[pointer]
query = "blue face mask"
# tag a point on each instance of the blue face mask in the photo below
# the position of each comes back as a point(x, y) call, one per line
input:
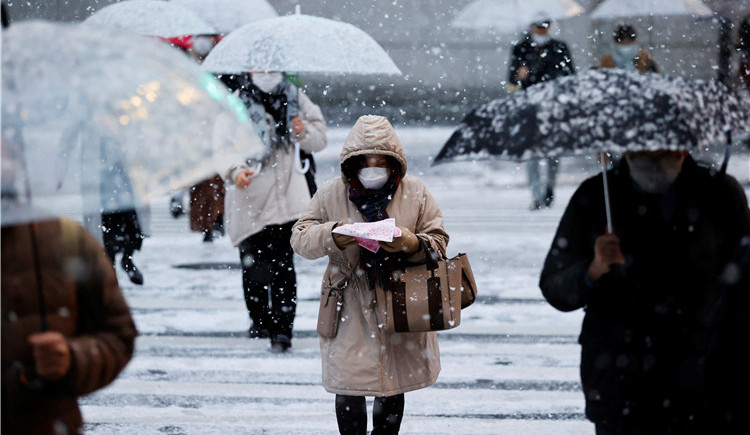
point(624, 54)
point(373, 178)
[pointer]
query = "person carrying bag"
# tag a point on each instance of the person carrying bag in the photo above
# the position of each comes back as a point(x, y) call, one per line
point(359, 357)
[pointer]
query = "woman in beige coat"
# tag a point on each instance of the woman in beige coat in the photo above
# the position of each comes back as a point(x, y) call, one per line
point(363, 360)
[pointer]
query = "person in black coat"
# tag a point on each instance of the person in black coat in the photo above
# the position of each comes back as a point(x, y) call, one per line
point(726, 367)
point(647, 288)
point(539, 58)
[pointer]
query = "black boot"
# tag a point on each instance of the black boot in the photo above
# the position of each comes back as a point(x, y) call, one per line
point(549, 197)
point(135, 275)
point(280, 344)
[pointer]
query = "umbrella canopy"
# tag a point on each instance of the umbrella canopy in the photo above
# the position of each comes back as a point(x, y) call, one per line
point(151, 18)
point(617, 9)
point(79, 102)
point(300, 43)
point(512, 16)
point(227, 15)
point(599, 110)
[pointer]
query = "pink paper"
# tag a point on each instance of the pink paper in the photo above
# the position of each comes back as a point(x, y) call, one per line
point(368, 234)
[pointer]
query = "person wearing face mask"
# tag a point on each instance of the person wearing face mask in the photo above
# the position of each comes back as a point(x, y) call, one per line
point(535, 59)
point(647, 287)
point(363, 360)
point(264, 199)
point(626, 54)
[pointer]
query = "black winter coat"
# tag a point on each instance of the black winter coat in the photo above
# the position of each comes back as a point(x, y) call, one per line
point(644, 334)
point(545, 62)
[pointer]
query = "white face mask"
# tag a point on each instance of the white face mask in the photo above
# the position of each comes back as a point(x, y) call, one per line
point(266, 81)
point(654, 175)
point(625, 53)
point(540, 39)
point(203, 44)
point(373, 178)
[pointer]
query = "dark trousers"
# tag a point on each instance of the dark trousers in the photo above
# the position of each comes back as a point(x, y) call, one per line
point(268, 276)
point(121, 232)
point(387, 413)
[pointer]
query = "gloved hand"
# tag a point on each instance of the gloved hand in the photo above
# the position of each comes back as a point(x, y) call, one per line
point(408, 243)
point(341, 240)
point(51, 354)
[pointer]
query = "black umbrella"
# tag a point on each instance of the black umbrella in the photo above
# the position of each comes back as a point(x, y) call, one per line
point(601, 110)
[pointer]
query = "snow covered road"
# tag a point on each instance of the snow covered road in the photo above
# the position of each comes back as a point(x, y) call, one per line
point(511, 367)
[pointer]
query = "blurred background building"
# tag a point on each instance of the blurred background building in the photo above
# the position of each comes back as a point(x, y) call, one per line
point(447, 70)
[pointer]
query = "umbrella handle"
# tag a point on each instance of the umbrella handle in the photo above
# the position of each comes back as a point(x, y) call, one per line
point(607, 207)
point(298, 166)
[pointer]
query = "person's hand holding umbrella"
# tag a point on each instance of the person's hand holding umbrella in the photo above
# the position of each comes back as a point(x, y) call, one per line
point(51, 354)
point(244, 178)
point(298, 127)
point(606, 253)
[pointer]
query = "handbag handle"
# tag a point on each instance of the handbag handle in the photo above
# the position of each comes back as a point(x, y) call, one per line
point(431, 256)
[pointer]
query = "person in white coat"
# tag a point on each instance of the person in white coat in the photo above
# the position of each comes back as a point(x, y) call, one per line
point(362, 359)
point(261, 205)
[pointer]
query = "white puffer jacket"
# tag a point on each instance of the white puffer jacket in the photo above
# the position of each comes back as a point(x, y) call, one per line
point(279, 193)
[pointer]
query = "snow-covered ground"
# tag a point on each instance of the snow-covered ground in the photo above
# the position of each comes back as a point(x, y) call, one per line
point(511, 367)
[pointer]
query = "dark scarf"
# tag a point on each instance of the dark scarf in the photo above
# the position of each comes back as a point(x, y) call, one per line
point(282, 103)
point(378, 266)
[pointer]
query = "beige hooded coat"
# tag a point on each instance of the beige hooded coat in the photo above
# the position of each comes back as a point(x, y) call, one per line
point(362, 360)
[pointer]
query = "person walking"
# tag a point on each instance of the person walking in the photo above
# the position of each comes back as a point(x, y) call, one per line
point(207, 208)
point(262, 205)
point(646, 288)
point(66, 328)
point(626, 54)
point(121, 224)
point(535, 59)
point(363, 360)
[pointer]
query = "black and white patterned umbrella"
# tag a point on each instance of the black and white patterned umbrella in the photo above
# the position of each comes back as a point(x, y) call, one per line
point(599, 110)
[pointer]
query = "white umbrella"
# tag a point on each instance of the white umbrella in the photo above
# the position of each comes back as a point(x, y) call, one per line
point(614, 9)
point(512, 16)
point(78, 100)
point(227, 15)
point(152, 18)
point(299, 43)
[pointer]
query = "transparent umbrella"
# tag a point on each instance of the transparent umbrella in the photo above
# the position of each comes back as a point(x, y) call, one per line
point(81, 102)
point(299, 43)
point(647, 11)
point(513, 16)
point(152, 18)
point(227, 15)
point(618, 9)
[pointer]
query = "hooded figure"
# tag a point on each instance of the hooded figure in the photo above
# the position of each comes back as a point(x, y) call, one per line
point(362, 359)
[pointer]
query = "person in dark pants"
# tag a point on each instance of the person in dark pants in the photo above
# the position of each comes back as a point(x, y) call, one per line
point(647, 288)
point(264, 199)
point(121, 228)
point(121, 233)
point(539, 58)
point(269, 265)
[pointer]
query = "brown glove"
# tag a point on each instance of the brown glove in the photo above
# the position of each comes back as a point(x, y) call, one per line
point(407, 243)
point(341, 240)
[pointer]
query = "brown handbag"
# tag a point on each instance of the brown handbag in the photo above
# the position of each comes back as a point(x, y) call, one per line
point(329, 312)
point(429, 296)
